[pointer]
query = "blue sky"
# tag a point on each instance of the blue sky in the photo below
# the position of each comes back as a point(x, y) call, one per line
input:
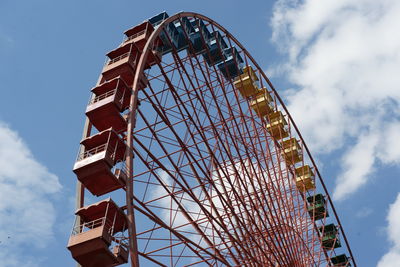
point(336, 65)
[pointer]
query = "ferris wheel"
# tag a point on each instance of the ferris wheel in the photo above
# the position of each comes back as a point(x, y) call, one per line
point(196, 160)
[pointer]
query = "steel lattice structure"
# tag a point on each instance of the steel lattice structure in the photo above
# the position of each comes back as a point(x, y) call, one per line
point(213, 167)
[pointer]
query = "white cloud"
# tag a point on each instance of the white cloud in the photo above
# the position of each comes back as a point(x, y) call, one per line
point(27, 214)
point(358, 169)
point(343, 58)
point(392, 257)
point(390, 147)
point(177, 218)
point(364, 212)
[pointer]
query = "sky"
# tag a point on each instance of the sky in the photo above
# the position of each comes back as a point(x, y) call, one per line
point(336, 63)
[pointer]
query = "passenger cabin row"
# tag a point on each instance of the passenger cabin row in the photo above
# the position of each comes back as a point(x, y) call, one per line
point(261, 102)
point(98, 237)
point(195, 37)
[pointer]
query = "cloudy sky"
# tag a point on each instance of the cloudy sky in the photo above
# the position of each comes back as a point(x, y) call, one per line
point(335, 62)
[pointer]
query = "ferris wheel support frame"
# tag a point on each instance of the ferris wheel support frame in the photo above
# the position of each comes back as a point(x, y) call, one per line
point(138, 77)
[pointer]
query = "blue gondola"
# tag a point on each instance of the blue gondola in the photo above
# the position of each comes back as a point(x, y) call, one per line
point(232, 67)
point(216, 52)
point(200, 37)
point(184, 31)
point(158, 19)
point(169, 29)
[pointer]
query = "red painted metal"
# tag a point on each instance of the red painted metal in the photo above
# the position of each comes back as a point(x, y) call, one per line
point(91, 241)
point(110, 99)
point(94, 167)
point(208, 179)
point(104, 209)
